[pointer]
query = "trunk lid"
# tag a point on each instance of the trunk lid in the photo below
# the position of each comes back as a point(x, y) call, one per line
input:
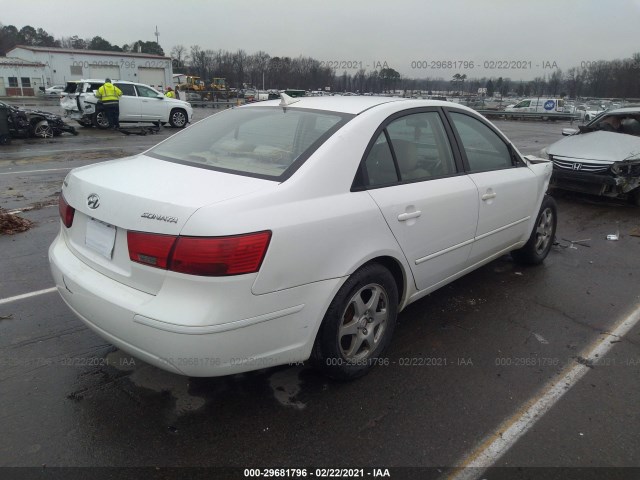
point(140, 194)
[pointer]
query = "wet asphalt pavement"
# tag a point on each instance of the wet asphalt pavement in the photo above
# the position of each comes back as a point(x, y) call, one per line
point(463, 360)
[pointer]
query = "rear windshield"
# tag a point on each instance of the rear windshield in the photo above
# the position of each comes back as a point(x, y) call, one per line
point(264, 142)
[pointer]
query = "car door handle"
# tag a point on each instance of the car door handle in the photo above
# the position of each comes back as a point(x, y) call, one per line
point(488, 196)
point(403, 217)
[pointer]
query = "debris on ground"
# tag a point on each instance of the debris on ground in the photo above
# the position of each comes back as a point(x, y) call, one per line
point(635, 232)
point(573, 243)
point(140, 130)
point(6, 317)
point(12, 224)
point(613, 236)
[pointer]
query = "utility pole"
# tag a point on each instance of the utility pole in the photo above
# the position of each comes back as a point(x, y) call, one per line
point(157, 34)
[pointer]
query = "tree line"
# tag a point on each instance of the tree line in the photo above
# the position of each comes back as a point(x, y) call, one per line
point(262, 70)
point(618, 78)
point(10, 36)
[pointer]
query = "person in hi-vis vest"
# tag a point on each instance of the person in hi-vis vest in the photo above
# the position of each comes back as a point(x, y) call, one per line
point(110, 95)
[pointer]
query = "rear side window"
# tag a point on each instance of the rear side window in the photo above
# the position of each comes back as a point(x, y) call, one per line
point(266, 142)
point(413, 147)
point(379, 165)
point(421, 148)
point(127, 89)
point(71, 87)
point(484, 149)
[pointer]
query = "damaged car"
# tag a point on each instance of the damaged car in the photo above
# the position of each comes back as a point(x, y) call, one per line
point(601, 157)
point(24, 123)
point(138, 103)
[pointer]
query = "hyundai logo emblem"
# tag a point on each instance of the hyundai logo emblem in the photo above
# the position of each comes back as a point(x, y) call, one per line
point(577, 166)
point(93, 201)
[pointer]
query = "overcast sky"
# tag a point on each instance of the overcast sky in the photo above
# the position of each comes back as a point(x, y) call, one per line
point(366, 33)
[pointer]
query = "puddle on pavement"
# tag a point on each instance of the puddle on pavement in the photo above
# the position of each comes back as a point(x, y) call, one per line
point(151, 378)
point(285, 384)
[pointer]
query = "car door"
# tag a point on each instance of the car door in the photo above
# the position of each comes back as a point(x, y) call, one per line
point(506, 186)
point(129, 103)
point(430, 205)
point(152, 104)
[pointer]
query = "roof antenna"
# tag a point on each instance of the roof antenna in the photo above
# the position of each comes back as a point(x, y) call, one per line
point(287, 100)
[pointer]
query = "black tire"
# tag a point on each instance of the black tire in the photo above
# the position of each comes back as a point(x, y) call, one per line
point(178, 118)
point(5, 139)
point(346, 347)
point(634, 197)
point(100, 120)
point(542, 237)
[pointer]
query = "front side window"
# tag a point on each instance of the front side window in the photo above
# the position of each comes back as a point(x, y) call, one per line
point(146, 92)
point(484, 149)
point(524, 103)
point(266, 142)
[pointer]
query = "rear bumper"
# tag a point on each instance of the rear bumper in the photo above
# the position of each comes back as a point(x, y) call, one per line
point(211, 328)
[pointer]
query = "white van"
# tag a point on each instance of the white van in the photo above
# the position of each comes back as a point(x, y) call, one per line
point(538, 105)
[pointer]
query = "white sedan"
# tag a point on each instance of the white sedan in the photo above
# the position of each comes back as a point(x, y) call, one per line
point(56, 90)
point(278, 232)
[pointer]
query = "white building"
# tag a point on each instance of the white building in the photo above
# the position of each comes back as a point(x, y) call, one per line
point(20, 77)
point(63, 64)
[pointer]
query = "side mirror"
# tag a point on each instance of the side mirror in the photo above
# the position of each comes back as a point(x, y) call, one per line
point(160, 97)
point(569, 131)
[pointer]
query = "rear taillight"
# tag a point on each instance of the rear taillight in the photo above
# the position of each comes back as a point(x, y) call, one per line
point(66, 211)
point(205, 256)
point(150, 248)
point(217, 256)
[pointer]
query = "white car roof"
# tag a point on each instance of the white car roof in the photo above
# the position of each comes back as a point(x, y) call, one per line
point(101, 80)
point(352, 104)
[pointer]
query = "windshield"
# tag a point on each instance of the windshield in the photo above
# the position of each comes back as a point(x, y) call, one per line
point(265, 142)
point(627, 123)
